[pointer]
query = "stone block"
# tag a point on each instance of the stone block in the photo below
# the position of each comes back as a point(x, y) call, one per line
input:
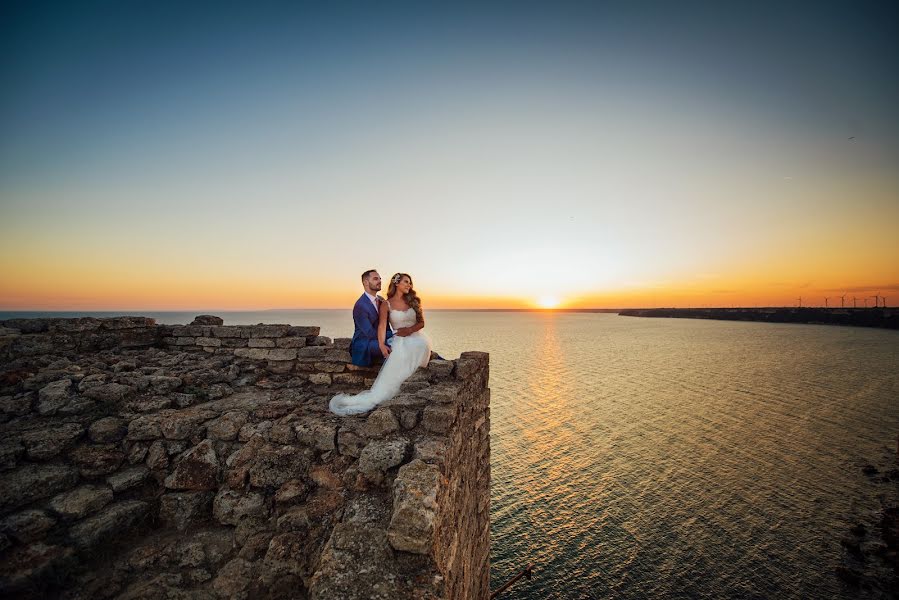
point(316, 434)
point(381, 455)
point(227, 426)
point(291, 342)
point(438, 418)
point(440, 369)
point(97, 460)
point(263, 343)
point(53, 396)
point(196, 470)
point(230, 507)
point(323, 354)
point(411, 526)
point(208, 342)
point(107, 429)
point(127, 478)
point(27, 566)
point(113, 521)
point(431, 450)
point(350, 443)
point(380, 422)
point(320, 378)
point(144, 428)
point(275, 465)
point(329, 367)
point(109, 392)
point(183, 424)
point(303, 331)
point(183, 509)
point(81, 501)
point(47, 442)
point(348, 379)
point(266, 353)
point(28, 526)
point(280, 366)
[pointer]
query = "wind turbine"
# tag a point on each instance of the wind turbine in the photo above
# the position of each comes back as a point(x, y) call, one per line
point(825, 302)
point(876, 297)
point(800, 301)
point(854, 302)
point(866, 302)
point(843, 301)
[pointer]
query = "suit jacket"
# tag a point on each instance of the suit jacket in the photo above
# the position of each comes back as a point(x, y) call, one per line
point(365, 319)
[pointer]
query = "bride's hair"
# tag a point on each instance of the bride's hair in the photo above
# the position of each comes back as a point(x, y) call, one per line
point(411, 298)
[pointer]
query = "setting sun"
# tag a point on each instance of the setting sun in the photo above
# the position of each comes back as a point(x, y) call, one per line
point(548, 302)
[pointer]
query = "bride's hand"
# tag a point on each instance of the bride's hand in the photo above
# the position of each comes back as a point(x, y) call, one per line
point(402, 332)
point(385, 350)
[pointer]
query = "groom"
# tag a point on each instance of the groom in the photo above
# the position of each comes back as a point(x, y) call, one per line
point(364, 348)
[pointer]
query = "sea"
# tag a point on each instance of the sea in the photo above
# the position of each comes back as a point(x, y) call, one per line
point(672, 458)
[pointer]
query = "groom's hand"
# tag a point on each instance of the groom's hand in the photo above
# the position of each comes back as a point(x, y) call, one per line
point(402, 332)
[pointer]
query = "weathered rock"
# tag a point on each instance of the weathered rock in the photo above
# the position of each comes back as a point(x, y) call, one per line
point(218, 390)
point(196, 470)
point(183, 424)
point(19, 404)
point(227, 426)
point(323, 477)
point(81, 501)
point(148, 403)
point(184, 509)
point(207, 320)
point(381, 422)
point(355, 548)
point(266, 353)
point(109, 392)
point(127, 478)
point(274, 466)
point(33, 482)
point(53, 396)
point(158, 456)
point(350, 443)
point(28, 526)
point(107, 429)
point(414, 508)
point(94, 461)
point(144, 428)
point(317, 434)
point(114, 520)
point(45, 443)
point(30, 564)
point(379, 456)
point(438, 418)
point(229, 507)
point(431, 450)
point(234, 579)
point(292, 491)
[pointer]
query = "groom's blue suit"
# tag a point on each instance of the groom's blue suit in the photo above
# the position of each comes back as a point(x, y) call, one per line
point(364, 348)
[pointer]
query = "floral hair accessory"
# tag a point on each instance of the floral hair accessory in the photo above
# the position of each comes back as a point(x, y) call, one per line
point(397, 279)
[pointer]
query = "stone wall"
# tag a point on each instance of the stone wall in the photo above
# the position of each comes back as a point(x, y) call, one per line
point(144, 461)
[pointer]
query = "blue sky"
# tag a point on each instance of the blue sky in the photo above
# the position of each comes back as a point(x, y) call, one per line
point(638, 145)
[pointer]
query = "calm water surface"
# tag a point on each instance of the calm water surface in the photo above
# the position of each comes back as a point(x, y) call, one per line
point(644, 458)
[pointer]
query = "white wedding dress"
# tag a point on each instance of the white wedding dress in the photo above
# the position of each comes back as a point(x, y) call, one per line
point(407, 353)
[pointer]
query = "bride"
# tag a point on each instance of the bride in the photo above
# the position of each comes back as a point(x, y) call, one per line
point(410, 348)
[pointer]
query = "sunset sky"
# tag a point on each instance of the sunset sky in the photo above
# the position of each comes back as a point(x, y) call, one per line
point(154, 156)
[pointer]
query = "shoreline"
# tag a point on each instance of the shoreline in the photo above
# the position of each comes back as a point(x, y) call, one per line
point(882, 318)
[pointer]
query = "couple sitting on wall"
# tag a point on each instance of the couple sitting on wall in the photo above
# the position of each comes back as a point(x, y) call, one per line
point(385, 329)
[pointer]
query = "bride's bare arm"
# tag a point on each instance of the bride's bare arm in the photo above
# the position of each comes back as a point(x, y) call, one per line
point(382, 329)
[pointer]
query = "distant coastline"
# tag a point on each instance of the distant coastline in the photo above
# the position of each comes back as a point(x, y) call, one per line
point(887, 318)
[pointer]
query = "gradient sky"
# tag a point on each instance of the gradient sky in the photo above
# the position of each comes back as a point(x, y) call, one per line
point(161, 156)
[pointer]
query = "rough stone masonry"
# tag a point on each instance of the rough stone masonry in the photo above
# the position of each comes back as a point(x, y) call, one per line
point(200, 461)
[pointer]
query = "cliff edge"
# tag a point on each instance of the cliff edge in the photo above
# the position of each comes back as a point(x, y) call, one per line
point(200, 461)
